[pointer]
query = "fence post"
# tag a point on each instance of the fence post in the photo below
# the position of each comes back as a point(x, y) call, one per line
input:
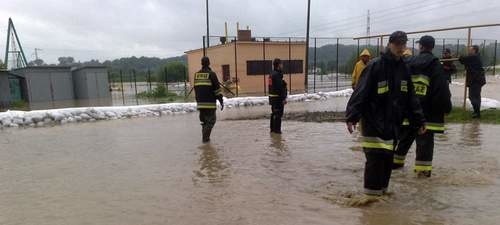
point(264, 63)
point(135, 85)
point(130, 79)
point(358, 48)
point(121, 81)
point(444, 47)
point(484, 47)
point(289, 64)
point(413, 46)
point(337, 66)
point(204, 47)
point(166, 78)
point(236, 65)
point(458, 47)
point(378, 46)
point(149, 79)
point(495, 57)
point(185, 81)
point(314, 67)
point(110, 82)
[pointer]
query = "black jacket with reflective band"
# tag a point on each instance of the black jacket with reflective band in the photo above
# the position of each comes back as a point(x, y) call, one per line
point(474, 69)
point(207, 89)
point(385, 94)
point(277, 87)
point(432, 88)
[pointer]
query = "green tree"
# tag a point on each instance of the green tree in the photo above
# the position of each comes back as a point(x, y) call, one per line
point(66, 61)
point(176, 71)
point(37, 62)
point(2, 66)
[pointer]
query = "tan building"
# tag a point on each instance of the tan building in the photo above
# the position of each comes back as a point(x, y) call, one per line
point(252, 69)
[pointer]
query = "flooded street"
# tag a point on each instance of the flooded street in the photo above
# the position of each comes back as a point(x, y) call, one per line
point(156, 171)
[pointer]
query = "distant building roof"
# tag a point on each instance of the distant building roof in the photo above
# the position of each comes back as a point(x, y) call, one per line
point(90, 67)
point(250, 43)
point(43, 67)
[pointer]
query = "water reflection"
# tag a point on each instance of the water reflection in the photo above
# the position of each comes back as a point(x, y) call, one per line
point(278, 144)
point(471, 134)
point(211, 166)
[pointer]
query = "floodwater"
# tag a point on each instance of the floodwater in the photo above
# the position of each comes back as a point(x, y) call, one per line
point(157, 171)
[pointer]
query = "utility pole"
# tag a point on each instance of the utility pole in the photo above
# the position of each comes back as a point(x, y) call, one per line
point(36, 53)
point(307, 46)
point(368, 28)
point(208, 26)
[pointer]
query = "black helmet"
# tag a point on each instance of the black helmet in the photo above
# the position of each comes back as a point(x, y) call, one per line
point(398, 37)
point(276, 62)
point(427, 41)
point(205, 61)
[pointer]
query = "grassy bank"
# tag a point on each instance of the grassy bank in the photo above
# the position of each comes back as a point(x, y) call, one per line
point(458, 115)
point(160, 95)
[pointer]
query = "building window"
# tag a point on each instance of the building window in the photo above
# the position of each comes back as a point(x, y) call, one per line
point(295, 66)
point(261, 67)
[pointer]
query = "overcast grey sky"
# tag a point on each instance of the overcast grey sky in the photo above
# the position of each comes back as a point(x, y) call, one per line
point(105, 29)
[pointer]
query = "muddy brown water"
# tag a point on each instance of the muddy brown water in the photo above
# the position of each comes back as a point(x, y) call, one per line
point(156, 171)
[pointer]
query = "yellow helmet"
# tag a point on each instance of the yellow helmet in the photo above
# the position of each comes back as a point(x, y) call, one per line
point(365, 52)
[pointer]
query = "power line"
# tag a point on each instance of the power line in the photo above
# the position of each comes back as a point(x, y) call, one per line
point(394, 16)
point(356, 18)
point(397, 15)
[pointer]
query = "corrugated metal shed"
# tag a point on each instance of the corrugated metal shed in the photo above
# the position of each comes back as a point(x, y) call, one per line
point(4, 89)
point(91, 82)
point(47, 84)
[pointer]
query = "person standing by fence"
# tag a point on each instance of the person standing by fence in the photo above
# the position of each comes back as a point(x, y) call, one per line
point(207, 90)
point(448, 66)
point(474, 78)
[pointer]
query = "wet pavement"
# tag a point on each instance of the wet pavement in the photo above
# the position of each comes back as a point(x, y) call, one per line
point(156, 171)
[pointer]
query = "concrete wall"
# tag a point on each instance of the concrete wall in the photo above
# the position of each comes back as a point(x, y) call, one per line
point(91, 83)
point(224, 55)
point(4, 89)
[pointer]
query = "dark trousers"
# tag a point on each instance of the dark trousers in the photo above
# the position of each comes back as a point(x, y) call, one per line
point(424, 151)
point(207, 118)
point(378, 169)
point(475, 97)
point(277, 110)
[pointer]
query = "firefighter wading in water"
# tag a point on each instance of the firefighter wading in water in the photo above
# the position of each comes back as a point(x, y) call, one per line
point(431, 87)
point(207, 90)
point(384, 95)
point(277, 95)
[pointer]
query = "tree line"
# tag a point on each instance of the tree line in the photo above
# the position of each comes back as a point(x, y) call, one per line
point(326, 55)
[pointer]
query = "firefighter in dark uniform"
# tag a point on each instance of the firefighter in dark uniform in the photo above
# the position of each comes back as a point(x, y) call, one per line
point(432, 89)
point(448, 66)
point(207, 90)
point(277, 95)
point(384, 95)
point(475, 79)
